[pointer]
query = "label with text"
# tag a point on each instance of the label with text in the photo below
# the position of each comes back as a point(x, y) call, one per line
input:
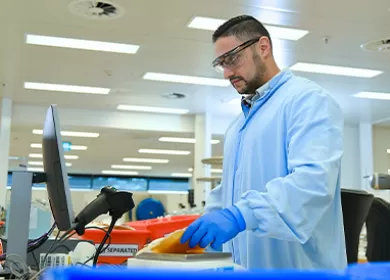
point(119, 250)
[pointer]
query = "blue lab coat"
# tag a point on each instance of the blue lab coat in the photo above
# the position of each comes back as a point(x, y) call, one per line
point(281, 168)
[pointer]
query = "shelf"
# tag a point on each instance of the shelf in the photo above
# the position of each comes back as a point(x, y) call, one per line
point(213, 161)
point(209, 179)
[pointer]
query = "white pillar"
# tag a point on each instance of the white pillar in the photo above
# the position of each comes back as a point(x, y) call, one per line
point(5, 134)
point(366, 153)
point(202, 150)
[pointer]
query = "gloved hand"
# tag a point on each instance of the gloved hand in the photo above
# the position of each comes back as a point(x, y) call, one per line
point(216, 228)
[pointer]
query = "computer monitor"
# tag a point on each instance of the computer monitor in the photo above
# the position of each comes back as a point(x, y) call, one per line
point(56, 179)
point(57, 183)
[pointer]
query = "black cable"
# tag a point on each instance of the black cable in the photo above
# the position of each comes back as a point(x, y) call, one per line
point(67, 235)
point(51, 247)
point(61, 246)
point(36, 260)
point(99, 249)
point(63, 239)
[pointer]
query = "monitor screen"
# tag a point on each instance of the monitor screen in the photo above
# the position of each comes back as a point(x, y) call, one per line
point(57, 183)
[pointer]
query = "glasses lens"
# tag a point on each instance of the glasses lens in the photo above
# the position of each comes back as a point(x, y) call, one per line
point(218, 68)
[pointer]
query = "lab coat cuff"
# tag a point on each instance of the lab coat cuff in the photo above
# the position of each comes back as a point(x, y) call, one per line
point(238, 216)
point(249, 217)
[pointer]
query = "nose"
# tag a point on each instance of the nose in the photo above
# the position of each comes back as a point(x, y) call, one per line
point(227, 73)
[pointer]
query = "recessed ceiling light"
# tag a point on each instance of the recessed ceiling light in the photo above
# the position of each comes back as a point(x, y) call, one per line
point(70, 157)
point(37, 163)
point(146, 160)
point(35, 155)
point(72, 133)
point(81, 44)
point(173, 78)
point(277, 32)
point(35, 169)
point(134, 167)
point(66, 88)
point(216, 170)
point(335, 70)
point(150, 109)
point(183, 140)
point(72, 147)
point(190, 169)
point(181, 175)
point(163, 152)
point(14, 158)
point(40, 163)
point(388, 151)
point(119, 172)
point(373, 95)
point(167, 192)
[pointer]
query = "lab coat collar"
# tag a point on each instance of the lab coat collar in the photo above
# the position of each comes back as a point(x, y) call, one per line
point(265, 91)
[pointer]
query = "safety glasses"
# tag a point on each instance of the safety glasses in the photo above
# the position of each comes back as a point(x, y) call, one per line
point(233, 58)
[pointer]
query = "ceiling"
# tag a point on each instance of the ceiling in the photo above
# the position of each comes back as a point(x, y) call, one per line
point(167, 45)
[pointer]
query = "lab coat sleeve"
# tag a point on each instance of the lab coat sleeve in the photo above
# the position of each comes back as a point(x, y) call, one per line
point(292, 206)
point(214, 200)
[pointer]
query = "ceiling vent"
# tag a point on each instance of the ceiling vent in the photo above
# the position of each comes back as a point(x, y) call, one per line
point(174, 95)
point(96, 10)
point(382, 45)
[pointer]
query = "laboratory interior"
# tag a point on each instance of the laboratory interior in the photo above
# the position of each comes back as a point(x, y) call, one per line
point(124, 154)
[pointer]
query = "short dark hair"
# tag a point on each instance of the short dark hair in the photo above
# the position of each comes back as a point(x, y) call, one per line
point(244, 27)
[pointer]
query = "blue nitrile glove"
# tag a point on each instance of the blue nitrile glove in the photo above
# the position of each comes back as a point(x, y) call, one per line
point(216, 227)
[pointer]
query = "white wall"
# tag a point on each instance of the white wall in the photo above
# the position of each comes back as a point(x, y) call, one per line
point(81, 198)
point(381, 142)
point(350, 163)
point(350, 175)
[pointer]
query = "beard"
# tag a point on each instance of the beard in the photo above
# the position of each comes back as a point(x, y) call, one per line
point(251, 85)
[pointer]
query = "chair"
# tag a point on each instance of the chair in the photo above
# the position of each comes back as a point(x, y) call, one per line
point(378, 231)
point(356, 205)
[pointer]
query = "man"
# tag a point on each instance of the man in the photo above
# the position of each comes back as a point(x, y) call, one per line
point(279, 204)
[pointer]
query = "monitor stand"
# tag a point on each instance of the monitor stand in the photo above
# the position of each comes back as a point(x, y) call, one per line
point(19, 218)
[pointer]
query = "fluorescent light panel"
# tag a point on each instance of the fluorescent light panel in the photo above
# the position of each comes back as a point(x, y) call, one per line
point(211, 170)
point(173, 78)
point(388, 151)
point(81, 44)
point(181, 175)
point(119, 172)
point(70, 157)
point(35, 169)
point(163, 152)
point(134, 167)
point(150, 109)
point(373, 95)
point(72, 133)
point(14, 158)
point(335, 70)
point(167, 192)
point(66, 88)
point(216, 170)
point(146, 160)
point(40, 163)
point(72, 147)
point(277, 32)
point(183, 140)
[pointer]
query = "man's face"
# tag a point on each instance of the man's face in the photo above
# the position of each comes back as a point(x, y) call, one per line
point(244, 66)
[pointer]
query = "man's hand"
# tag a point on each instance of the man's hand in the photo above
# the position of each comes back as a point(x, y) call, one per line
point(214, 228)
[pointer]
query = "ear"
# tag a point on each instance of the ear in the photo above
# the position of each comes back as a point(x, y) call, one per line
point(265, 46)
